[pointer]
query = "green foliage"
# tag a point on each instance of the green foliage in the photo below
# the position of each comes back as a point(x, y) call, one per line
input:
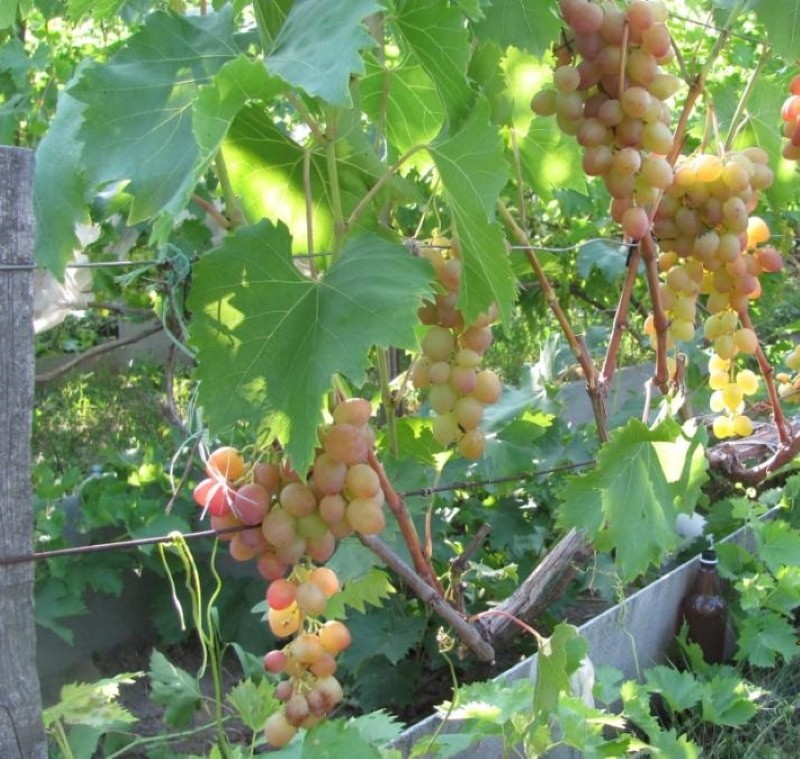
point(327, 326)
point(643, 479)
point(175, 689)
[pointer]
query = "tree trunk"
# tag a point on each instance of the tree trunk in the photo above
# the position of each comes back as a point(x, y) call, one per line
point(21, 731)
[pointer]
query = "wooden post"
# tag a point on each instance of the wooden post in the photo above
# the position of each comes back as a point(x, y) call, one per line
point(21, 730)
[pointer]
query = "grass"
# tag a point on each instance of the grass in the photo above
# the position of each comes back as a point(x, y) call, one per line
point(772, 733)
point(88, 417)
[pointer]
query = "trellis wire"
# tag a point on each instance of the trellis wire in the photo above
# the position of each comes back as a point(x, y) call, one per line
point(138, 542)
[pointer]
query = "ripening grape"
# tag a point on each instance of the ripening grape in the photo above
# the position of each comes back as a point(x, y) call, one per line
point(225, 462)
point(284, 622)
point(251, 503)
point(334, 636)
point(281, 594)
point(345, 443)
point(366, 516)
point(311, 600)
point(326, 579)
point(278, 730)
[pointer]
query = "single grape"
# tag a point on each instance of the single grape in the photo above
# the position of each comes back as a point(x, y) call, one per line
point(225, 462)
point(328, 474)
point(251, 503)
point(471, 445)
point(278, 730)
point(281, 594)
point(366, 516)
point(275, 662)
point(311, 599)
point(362, 481)
point(345, 443)
point(284, 622)
point(326, 579)
point(334, 636)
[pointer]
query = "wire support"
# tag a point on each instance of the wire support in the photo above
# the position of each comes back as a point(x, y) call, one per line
point(121, 545)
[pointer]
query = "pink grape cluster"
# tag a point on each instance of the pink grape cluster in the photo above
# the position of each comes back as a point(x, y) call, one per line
point(311, 689)
point(449, 368)
point(296, 524)
point(609, 92)
point(790, 114)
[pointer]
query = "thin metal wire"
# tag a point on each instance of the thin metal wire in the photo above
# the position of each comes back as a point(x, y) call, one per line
point(138, 542)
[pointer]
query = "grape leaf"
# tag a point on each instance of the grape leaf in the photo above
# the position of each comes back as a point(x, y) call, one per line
point(762, 636)
point(218, 103)
point(413, 111)
point(334, 738)
point(436, 34)
point(729, 700)
point(8, 13)
point(782, 22)
point(607, 258)
point(138, 120)
point(778, 544)
point(680, 690)
point(549, 161)
point(473, 172)
point(92, 704)
point(269, 339)
point(253, 701)
point(631, 500)
point(377, 727)
point(559, 656)
point(371, 589)
point(173, 688)
point(266, 167)
point(390, 632)
point(528, 25)
point(317, 48)
point(59, 187)
point(271, 16)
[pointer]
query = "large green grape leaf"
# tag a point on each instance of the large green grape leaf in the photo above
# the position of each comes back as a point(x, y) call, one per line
point(317, 49)
point(643, 479)
point(406, 99)
point(271, 16)
point(266, 168)
point(138, 120)
point(218, 102)
point(549, 160)
point(436, 34)
point(782, 22)
point(527, 24)
point(269, 339)
point(59, 187)
point(473, 172)
point(559, 657)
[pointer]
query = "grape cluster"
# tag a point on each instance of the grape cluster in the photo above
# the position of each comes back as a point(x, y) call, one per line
point(609, 91)
point(710, 245)
point(449, 368)
point(789, 384)
point(309, 659)
point(790, 113)
point(296, 522)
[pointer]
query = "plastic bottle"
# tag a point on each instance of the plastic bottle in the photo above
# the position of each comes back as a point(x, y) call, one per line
point(705, 610)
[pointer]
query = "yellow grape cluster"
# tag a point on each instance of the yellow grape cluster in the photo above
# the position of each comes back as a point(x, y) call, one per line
point(710, 245)
point(449, 368)
point(609, 91)
point(311, 689)
point(296, 522)
point(789, 384)
point(728, 399)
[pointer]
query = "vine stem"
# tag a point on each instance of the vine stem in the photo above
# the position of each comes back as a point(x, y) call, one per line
point(467, 632)
point(378, 186)
point(386, 399)
point(783, 427)
point(576, 345)
point(309, 211)
point(409, 532)
point(733, 130)
point(212, 211)
point(333, 180)
point(620, 322)
point(232, 206)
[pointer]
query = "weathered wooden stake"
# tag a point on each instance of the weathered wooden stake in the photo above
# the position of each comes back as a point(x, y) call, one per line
point(21, 730)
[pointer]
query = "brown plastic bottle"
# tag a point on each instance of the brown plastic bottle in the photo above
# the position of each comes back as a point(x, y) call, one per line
point(705, 611)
